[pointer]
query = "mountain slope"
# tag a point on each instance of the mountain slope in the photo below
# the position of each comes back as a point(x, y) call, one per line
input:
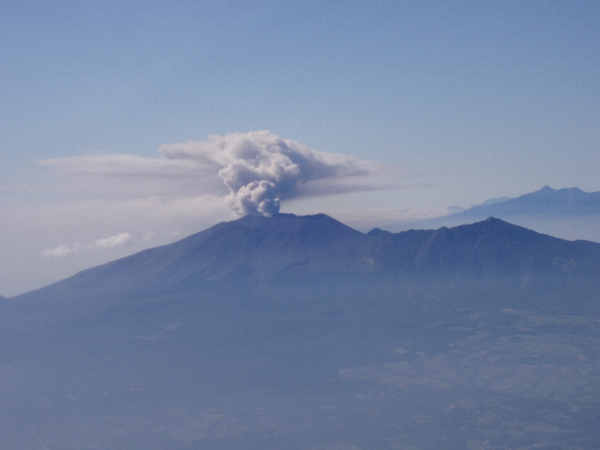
point(253, 245)
point(253, 249)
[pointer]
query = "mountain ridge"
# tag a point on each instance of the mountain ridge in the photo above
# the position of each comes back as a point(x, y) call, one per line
point(546, 200)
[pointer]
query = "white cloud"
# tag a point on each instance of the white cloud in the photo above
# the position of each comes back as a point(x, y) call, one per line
point(60, 251)
point(112, 241)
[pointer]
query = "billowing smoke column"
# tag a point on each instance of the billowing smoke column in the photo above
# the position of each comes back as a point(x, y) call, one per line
point(261, 169)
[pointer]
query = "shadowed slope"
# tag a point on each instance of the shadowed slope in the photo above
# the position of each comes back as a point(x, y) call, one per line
point(489, 248)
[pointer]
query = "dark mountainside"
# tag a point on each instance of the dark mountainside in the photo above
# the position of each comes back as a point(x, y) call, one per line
point(568, 212)
point(302, 333)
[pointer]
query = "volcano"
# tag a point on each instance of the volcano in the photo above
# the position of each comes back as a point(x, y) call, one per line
point(299, 332)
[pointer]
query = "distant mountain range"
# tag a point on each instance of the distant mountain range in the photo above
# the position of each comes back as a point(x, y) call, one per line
point(302, 333)
point(569, 213)
point(566, 202)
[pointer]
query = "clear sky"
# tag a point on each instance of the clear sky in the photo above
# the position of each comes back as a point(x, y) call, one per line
point(433, 104)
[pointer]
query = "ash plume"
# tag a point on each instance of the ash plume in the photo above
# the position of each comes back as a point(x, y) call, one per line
point(261, 169)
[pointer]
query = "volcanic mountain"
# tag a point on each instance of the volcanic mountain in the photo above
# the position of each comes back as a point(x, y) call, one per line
point(257, 251)
point(302, 333)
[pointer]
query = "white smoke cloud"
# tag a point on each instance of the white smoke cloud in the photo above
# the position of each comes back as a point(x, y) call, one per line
point(261, 169)
point(247, 172)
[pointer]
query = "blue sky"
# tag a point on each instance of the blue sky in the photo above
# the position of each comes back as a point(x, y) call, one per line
point(460, 101)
